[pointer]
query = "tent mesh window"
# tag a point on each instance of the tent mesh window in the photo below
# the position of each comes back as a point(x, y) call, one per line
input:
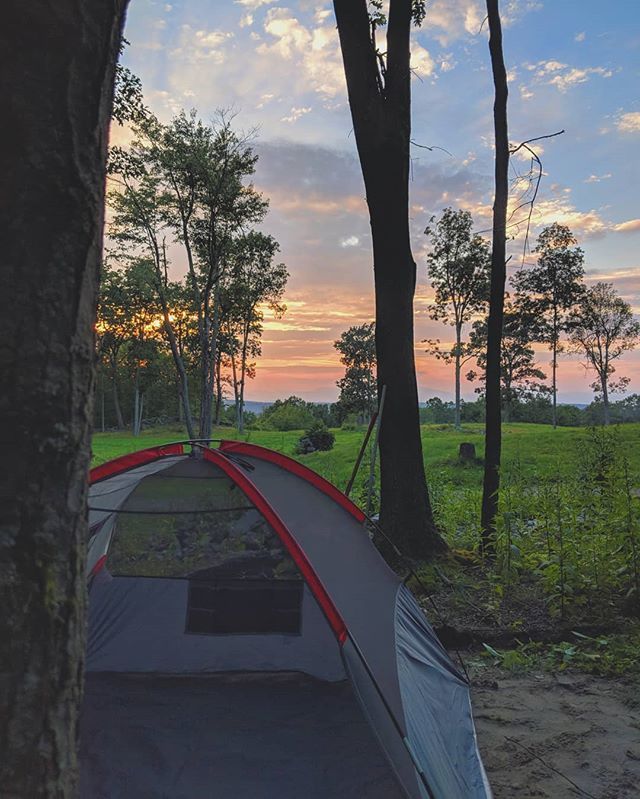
point(192, 522)
point(244, 606)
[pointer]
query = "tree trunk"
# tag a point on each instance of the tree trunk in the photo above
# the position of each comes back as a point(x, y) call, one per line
point(116, 399)
point(57, 63)
point(218, 392)
point(102, 403)
point(136, 407)
point(554, 368)
point(605, 401)
point(493, 432)
point(208, 365)
point(180, 368)
point(236, 390)
point(457, 367)
point(381, 122)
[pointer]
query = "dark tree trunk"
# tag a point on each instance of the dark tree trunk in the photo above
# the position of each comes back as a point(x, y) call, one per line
point(116, 399)
point(554, 369)
point(493, 436)
point(456, 422)
point(57, 64)
point(605, 401)
point(381, 121)
point(218, 409)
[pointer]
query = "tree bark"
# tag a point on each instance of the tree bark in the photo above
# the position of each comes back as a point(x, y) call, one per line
point(218, 408)
point(456, 422)
point(493, 431)
point(554, 367)
point(605, 401)
point(116, 404)
point(57, 63)
point(381, 121)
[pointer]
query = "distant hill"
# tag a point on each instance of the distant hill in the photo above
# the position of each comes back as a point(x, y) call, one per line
point(250, 405)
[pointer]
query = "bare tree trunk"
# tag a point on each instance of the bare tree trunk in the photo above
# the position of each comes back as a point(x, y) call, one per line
point(236, 390)
point(381, 122)
point(208, 364)
point(116, 398)
point(218, 392)
point(457, 367)
point(57, 63)
point(554, 389)
point(493, 431)
point(136, 407)
point(180, 368)
point(605, 401)
point(102, 408)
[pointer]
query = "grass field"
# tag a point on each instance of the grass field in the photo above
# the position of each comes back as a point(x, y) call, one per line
point(536, 449)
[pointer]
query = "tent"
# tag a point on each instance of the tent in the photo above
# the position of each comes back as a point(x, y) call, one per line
point(246, 639)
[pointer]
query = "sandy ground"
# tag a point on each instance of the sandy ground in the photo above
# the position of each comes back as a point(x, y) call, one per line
point(586, 727)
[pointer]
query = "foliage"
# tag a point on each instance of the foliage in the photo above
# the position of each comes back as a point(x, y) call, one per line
point(519, 374)
point(318, 438)
point(608, 655)
point(292, 413)
point(358, 390)
point(602, 328)
point(459, 269)
point(552, 287)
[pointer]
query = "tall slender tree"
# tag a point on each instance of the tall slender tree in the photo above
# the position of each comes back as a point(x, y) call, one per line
point(379, 89)
point(254, 281)
point(357, 348)
point(520, 377)
point(551, 288)
point(459, 270)
point(493, 424)
point(602, 328)
point(57, 65)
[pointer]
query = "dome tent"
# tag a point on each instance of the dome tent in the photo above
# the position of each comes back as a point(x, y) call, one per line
point(246, 639)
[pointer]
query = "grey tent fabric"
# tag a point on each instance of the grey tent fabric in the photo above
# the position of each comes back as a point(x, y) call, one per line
point(227, 737)
point(228, 526)
point(436, 705)
point(137, 624)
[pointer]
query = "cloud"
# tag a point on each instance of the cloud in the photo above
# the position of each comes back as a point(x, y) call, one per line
point(254, 4)
point(202, 45)
point(563, 76)
point(630, 226)
point(580, 37)
point(629, 122)
point(314, 53)
point(352, 241)
point(295, 114)
point(597, 178)
point(448, 20)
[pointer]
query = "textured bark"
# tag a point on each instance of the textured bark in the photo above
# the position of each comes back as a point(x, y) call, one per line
point(57, 64)
point(116, 402)
point(493, 427)
point(381, 121)
point(458, 367)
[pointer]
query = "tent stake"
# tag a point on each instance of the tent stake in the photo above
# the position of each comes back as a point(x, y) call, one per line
point(374, 451)
point(354, 473)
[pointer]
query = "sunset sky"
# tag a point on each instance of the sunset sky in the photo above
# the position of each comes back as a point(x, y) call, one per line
point(572, 66)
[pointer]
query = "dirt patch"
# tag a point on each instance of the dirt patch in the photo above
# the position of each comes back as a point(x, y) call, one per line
point(586, 727)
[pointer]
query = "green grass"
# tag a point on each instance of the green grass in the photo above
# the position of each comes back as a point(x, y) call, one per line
point(536, 449)
point(568, 526)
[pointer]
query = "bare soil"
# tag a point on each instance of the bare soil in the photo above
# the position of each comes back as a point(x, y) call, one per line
point(586, 727)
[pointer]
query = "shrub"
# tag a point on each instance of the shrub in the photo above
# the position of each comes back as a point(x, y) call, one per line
point(317, 437)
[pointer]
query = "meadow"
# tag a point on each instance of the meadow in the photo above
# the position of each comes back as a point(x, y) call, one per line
point(569, 524)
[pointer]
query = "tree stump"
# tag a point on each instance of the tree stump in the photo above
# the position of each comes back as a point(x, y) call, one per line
point(467, 453)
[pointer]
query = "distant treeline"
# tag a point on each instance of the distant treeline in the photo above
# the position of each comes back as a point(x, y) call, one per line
point(294, 413)
point(535, 410)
